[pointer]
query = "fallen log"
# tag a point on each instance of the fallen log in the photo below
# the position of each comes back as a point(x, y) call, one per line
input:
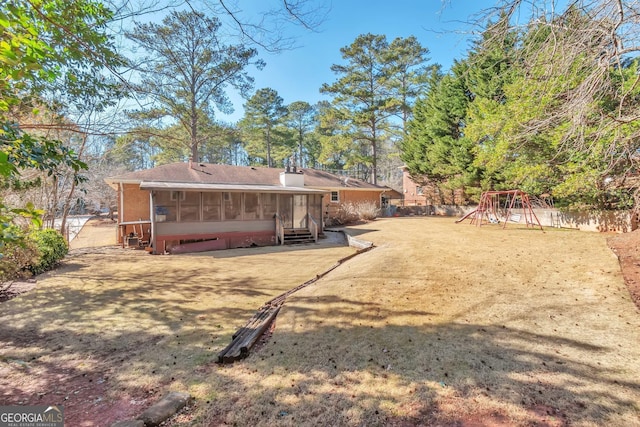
point(256, 319)
point(247, 336)
point(279, 300)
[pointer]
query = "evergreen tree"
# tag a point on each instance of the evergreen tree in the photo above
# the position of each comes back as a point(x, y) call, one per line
point(436, 148)
point(301, 119)
point(554, 120)
point(223, 145)
point(491, 65)
point(338, 150)
point(379, 81)
point(264, 113)
point(362, 92)
point(408, 74)
point(189, 70)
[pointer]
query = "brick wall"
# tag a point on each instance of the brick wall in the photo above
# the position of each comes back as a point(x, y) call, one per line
point(349, 196)
point(425, 194)
point(411, 192)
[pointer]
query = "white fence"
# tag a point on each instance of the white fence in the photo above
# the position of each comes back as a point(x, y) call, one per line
point(602, 221)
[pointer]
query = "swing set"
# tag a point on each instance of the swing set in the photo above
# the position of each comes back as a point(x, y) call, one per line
point(500, 207)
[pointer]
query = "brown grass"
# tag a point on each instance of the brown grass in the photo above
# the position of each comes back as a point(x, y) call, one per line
point(445, 324)
point(137, 325)
point(441, 324)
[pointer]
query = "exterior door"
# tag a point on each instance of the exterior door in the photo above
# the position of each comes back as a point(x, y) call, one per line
point(300, 211)
point(293, 210)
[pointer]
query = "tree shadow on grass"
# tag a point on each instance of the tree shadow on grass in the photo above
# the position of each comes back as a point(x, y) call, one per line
point(248, 252)
point(96, 339)
point(136, 332)
point(98, 349)
point(435, 374)
point(382, 375)
point(357, 232)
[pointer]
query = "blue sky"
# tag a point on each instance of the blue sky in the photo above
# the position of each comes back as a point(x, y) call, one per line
point(443, 27)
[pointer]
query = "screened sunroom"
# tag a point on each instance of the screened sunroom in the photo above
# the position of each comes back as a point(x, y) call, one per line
point(229, 216)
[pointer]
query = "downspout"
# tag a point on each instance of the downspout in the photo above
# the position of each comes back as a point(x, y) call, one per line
point(121, 214)
point(121, 207)
point(321, 196)
point(152, 216)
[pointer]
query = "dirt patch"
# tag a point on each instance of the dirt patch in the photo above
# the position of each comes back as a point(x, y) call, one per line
point(16, 288)
point(627, 247)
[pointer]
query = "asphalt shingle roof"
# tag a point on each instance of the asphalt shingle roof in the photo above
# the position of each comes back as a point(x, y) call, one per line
point(207, 173)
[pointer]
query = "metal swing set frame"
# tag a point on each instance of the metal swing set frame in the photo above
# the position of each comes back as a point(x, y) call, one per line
point(497, 207)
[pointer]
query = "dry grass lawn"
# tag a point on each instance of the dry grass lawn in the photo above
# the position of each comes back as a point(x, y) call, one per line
point(440, 324)
point(112, 329)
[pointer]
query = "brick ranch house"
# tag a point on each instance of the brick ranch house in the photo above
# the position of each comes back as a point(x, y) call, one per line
point(201, 206)
point(427, 194)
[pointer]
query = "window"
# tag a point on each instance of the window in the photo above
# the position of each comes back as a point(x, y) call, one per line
point(190, 206)
point(177, 195)
point(335, 196)
point(166, 209)
point(232, 206)
point(211, 206)
point(419, 191)
point(251, 206)
point(269, 205)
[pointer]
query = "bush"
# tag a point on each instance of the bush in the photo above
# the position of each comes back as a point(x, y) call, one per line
point(344, 215)
point(367, 211)
point(51, 249)
point(349, 213)
point(17, 255)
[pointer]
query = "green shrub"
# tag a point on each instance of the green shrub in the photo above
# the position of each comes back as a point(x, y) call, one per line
point(16, 256)
point(51, 248)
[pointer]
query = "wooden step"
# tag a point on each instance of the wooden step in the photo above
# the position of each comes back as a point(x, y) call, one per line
point(295, 236)
point(296, 231)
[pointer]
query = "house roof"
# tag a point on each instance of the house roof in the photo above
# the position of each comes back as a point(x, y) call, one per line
point(178, 186)
point(228, 175)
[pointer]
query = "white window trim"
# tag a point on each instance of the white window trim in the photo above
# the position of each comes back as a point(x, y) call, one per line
point(175, 195)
